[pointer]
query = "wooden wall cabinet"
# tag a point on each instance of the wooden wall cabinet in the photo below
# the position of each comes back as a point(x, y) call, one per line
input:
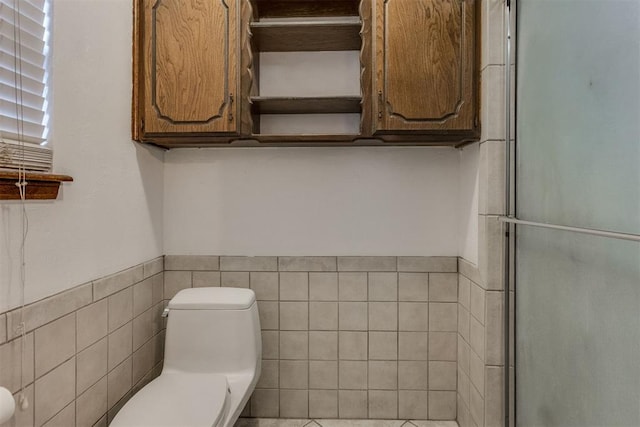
point(196, 67)
point(425, 63)
point(186, 76)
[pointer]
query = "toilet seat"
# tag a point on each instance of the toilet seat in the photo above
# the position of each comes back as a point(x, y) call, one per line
point(177, 399)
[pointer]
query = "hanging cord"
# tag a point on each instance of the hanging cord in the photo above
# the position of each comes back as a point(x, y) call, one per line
point(22, 188)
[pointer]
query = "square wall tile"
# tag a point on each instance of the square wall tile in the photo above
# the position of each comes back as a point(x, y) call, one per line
point(412, 375)
point(383, 286)
point(464, 291)
point(142, 296)
point(323, 345)
point(119, 382)
point(3, 328)
point(477, 302)
point(265, 285)
point(412, 404)
point(269, 375)
point(54, 391)
point(234, 279)
point(175, 281)
point(294, 316)
point(206, 279)
point(92, 364)
point(442, 375)
point(383, 345)
point(145, 326)
point(92, 404)
point(442, 405)
point(323, 287)
point(269, 313)
point(294, 286)
point(383, 316)
point(294, 345)
point(352, 286)
point(323, 316)
point(443, 287)
point(352, 375)
point(443, 346)
point(323, 403)
point(352, 345)
point(352, 404)
point(120, 345)
point(323, 374)
point(294, 403)
point(383, 375)
point(66, 417)
point(294, 374)
point(55, 343)
point(120, 309)
point(443, 317)
point(476, 372)
point(463, 322)
point(265, 403)
point(383, 404)
point(270, 344)
point(413, 345)
point(413, 287)
point(413, 316)
point(11, 362)
point(352, 316)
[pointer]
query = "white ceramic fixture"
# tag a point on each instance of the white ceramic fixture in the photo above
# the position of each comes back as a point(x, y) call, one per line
point(213, 350)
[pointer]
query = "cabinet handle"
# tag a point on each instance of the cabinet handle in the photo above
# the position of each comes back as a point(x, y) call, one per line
point(379, 105)
point(230, 107)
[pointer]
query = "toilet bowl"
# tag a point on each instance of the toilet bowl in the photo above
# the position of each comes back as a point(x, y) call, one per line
point(213, 350)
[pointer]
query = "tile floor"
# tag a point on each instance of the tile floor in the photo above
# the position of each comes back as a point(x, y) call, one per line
point(282, 422)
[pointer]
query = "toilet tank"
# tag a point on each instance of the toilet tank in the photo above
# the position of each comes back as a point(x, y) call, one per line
point(213, 330)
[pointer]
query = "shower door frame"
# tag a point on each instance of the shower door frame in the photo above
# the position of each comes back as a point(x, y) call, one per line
point(511, 221)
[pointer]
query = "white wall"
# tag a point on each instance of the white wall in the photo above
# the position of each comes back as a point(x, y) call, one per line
point(110, 218)
point(312, 201)
point(468, 203)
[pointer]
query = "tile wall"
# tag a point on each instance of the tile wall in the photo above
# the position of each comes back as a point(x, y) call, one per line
point(481, 286)
point(87, 350)
point(345, 337)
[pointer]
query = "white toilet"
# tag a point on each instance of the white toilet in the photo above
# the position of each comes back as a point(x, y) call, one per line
point(213, 349)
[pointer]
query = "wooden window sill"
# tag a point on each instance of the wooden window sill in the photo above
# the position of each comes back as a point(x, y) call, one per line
point(40, 186)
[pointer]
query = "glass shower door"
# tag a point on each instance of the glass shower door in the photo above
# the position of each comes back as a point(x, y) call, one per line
point(577, 298)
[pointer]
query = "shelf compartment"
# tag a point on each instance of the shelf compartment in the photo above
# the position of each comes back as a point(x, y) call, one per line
point(311, 36)
point(304, 8)
point(305, 105)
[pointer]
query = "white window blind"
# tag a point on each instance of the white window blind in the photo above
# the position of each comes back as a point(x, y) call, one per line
point(24, 49)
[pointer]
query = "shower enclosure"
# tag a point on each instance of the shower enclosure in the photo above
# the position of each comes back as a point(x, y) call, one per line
point(575, 164)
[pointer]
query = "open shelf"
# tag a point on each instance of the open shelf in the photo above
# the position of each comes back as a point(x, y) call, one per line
point(299, 36)
point(304, 8)
point(305, 105)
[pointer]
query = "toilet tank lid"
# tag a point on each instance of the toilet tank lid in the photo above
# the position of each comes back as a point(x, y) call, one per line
point(213, 299)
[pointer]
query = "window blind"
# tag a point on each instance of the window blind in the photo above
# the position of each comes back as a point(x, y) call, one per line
point(24, 52)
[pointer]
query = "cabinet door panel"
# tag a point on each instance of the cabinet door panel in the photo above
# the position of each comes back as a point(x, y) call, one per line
point(190, 71)
point(425, 54)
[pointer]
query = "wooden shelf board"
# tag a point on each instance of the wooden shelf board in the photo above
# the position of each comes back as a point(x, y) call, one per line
point(305, 105)
point(304, 8)
point(40, 186)
point(306, 36)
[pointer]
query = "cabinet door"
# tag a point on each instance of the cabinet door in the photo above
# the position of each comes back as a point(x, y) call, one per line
point(190, 63)
point(425, 65)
